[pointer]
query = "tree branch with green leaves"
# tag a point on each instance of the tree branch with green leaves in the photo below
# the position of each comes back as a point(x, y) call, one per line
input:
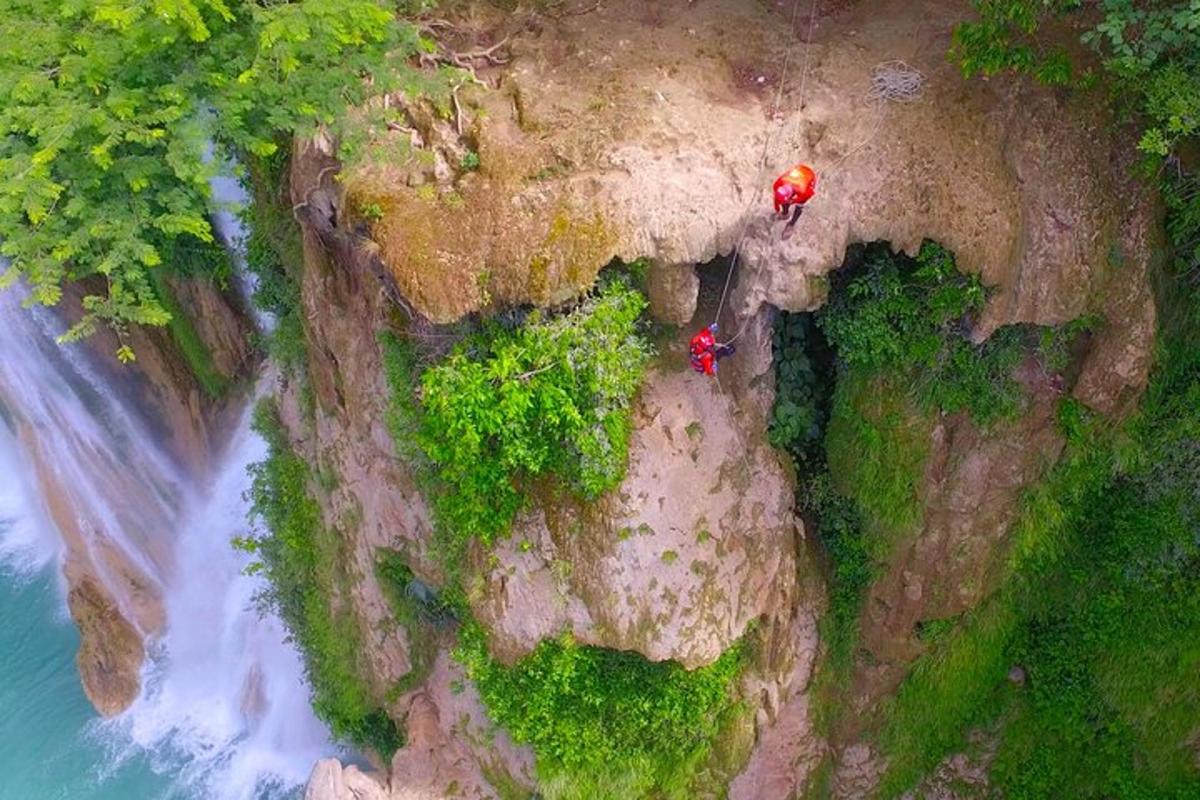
point(117, 113)
point(1150, 53)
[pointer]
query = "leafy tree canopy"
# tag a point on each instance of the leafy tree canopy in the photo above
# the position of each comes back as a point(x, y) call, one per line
point(115, 114)
point(1151, 51)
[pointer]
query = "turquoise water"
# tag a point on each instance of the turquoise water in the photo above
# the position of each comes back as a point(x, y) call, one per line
point(188, 736)
point(52, 744)
point(224, 712)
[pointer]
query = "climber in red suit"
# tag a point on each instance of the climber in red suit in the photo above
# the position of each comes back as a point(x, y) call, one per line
point(706, 351)
point(794, 188)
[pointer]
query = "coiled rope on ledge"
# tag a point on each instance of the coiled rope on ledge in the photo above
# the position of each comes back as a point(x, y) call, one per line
point(895, 81)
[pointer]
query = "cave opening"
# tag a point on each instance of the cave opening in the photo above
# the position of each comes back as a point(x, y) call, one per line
point(713, 277)
point(806, 373)
point(861, 385)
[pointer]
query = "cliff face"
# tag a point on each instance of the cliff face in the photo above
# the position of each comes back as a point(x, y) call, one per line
point(698, 541)
point(630, 132)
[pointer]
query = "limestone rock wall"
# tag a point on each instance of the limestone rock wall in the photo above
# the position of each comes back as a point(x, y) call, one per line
point(634, 131)
point(652, 126)
point(697, 542)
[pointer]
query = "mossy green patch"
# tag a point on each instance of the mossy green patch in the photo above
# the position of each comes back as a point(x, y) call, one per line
point(877, 444)
point(1100, 608)
point(195, 352)
point(861, 384)
point(302, 560)
point(418, 609)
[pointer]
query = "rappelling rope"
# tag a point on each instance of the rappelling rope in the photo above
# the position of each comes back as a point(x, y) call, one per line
point(891, 81)
point(762, 162)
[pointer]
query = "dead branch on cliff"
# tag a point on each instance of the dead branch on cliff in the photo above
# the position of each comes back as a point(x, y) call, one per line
point(469, 60)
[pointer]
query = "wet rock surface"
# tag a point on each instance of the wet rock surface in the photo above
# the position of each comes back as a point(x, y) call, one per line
point(110, 649)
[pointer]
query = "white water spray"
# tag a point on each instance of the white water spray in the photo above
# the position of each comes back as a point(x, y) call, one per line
point(224, 708)
point(226, 700)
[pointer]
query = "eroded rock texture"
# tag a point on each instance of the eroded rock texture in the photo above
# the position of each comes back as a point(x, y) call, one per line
point(638, 130)
point(698, 540)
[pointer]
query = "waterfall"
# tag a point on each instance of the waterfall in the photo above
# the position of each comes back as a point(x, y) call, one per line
point(226, 698)
point(223, 712)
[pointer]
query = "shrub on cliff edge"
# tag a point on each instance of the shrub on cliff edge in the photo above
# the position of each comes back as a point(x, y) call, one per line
point(549, 398)
point(605, 723)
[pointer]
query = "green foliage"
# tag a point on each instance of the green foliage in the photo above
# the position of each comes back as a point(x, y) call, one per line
point(109, 109)
point(947, 691)
point(1150, 52)
point(605, 723)
point(551, 397)
point(300, 558)
point(839, 528)
point(911, 317)
point(420, 611)
point(275, 256)
point(1005, 38)
point(372, 211)
point(802, 386)
point(959, 683)
point(1112, 649)
point(1182, 196)
point(637, 272)
point(862, 503)
point(1153, 52)
point(470, 161)
point(402, 369)
point(877, 445)
point(896, 312)
point(1100, 609)
point(896, 329)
